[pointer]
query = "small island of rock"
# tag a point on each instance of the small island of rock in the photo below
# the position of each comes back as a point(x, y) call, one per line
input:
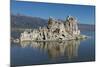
point(55, 30)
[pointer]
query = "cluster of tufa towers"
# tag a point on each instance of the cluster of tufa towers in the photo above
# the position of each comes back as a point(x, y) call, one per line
point(55, 30)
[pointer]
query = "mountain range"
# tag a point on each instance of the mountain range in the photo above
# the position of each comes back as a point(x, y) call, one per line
point(22, 21)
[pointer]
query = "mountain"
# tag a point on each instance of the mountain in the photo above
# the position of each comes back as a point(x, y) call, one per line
point(86, 27)
point(22, 21)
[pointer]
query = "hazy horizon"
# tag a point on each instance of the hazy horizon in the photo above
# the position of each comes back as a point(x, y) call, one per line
point(47, 18)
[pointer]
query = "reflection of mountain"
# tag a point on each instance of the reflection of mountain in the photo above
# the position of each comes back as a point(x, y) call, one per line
point(56, 49)
point(22, 21)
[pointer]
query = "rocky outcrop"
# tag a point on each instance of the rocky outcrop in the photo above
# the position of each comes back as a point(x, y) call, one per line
point(55, 30)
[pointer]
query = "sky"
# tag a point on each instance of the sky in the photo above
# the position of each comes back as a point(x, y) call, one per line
point(84, 13)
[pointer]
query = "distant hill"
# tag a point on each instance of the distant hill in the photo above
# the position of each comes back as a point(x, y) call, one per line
point(22, 21)
point(86, 27)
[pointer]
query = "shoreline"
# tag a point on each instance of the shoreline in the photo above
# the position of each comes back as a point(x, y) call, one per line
point(81, 37)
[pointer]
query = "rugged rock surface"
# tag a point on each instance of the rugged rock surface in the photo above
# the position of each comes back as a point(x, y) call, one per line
point(55, 30)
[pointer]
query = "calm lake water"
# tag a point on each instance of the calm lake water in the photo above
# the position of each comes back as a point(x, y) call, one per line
point(33, 53)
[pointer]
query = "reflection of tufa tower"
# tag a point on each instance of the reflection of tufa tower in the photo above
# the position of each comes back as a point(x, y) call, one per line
point(68, 49)
point(72, 25)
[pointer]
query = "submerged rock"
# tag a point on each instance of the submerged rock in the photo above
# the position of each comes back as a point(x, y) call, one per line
point(55, 30)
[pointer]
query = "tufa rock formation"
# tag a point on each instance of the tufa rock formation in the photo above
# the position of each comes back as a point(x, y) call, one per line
point(56, 30)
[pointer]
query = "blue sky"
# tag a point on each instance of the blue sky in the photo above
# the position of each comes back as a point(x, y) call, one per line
point(85, 14)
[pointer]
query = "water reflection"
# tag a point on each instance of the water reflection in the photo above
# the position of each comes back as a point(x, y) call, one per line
point(56, 49)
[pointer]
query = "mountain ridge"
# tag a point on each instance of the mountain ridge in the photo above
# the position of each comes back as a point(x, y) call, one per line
point(23, 21)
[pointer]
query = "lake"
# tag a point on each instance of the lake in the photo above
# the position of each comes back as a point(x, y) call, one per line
point(33, 53)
